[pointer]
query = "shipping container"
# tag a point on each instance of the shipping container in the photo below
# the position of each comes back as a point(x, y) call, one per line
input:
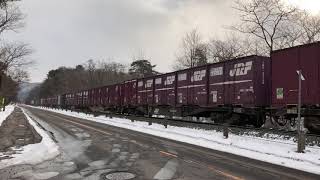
point(104, 96)
point(240, 82)
point(73, 99)
point(165, 90)
point(79, 99)
point(85, 97)
point(192, 87)
point(130, 93)
point(285, 66)
point(91, 97)
point(114, 96)
point(96, 95)
point(50, 101)
point(145, 91)
point(122, 90)
point(69, 99)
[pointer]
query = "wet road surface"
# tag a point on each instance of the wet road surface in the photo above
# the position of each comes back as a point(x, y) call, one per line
point(93, 150)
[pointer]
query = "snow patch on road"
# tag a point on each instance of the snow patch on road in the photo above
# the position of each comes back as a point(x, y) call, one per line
point(6, 113)
point(168, 171)
point(33, 153)
point(278, 151)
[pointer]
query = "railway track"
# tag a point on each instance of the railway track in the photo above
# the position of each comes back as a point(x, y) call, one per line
point(274, 134)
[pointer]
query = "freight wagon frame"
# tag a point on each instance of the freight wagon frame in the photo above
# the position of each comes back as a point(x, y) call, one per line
point(232, 92)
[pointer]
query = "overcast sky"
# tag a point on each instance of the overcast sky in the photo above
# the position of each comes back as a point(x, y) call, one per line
point(69, 32)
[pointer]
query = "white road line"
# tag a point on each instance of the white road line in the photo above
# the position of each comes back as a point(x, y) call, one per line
point(168, 171)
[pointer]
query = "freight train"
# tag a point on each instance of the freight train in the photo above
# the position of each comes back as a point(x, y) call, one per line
point(243, 91)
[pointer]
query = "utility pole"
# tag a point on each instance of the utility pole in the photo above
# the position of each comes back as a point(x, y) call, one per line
point(300, 129)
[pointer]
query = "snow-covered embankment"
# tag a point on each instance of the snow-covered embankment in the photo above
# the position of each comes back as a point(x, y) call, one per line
point(33, 153)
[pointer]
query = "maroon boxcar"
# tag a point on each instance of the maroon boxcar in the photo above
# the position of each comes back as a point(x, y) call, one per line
point(69, 99)
point(238, 89)
point(286, 64)
point(66, 100)
point(94, 97)
point(243, 82)
point(114, 96)
point(73, 99)
point(79, 99)
point(97, 97)
point(145, 91)
point(85, 98)
point(165, 90)
point(182, 84)
point(90, 97)
point(192, 87)
point(104, 96)
point(130, 94)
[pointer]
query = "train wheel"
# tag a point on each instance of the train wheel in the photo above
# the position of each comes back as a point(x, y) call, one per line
point(281, 120)
point(293, 122)
point(312, 124)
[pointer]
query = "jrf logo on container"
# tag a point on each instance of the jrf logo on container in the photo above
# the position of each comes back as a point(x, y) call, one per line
point(198, 75)
point(241, 69)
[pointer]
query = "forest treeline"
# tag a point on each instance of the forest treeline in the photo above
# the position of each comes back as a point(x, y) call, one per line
point(89, 75)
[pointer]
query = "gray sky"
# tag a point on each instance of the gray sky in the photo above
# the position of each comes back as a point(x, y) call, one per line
point(69, 32)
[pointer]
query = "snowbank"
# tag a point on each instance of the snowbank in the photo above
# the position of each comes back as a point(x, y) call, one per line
point(33, 153)
point(281, 152)
point(6, 113)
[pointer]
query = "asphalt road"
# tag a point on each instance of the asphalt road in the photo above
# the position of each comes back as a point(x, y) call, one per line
point(92, 151)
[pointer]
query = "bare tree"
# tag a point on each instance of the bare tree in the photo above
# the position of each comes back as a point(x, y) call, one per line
point(303, 28)
point(192, 51)
point(232, 47)
point(10, 17)
point(109, 72)
point(14, 55)
point(263, 19)
point(4, 3)
point(309, 27)
point(91, 69)
point(19, 75)
point(291, 35)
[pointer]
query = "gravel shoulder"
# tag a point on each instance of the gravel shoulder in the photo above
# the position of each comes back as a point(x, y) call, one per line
point(16, 132)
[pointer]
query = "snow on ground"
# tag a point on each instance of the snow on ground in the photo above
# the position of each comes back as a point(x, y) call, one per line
point(281, 152)
point(33, 153)
point(6, 113)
